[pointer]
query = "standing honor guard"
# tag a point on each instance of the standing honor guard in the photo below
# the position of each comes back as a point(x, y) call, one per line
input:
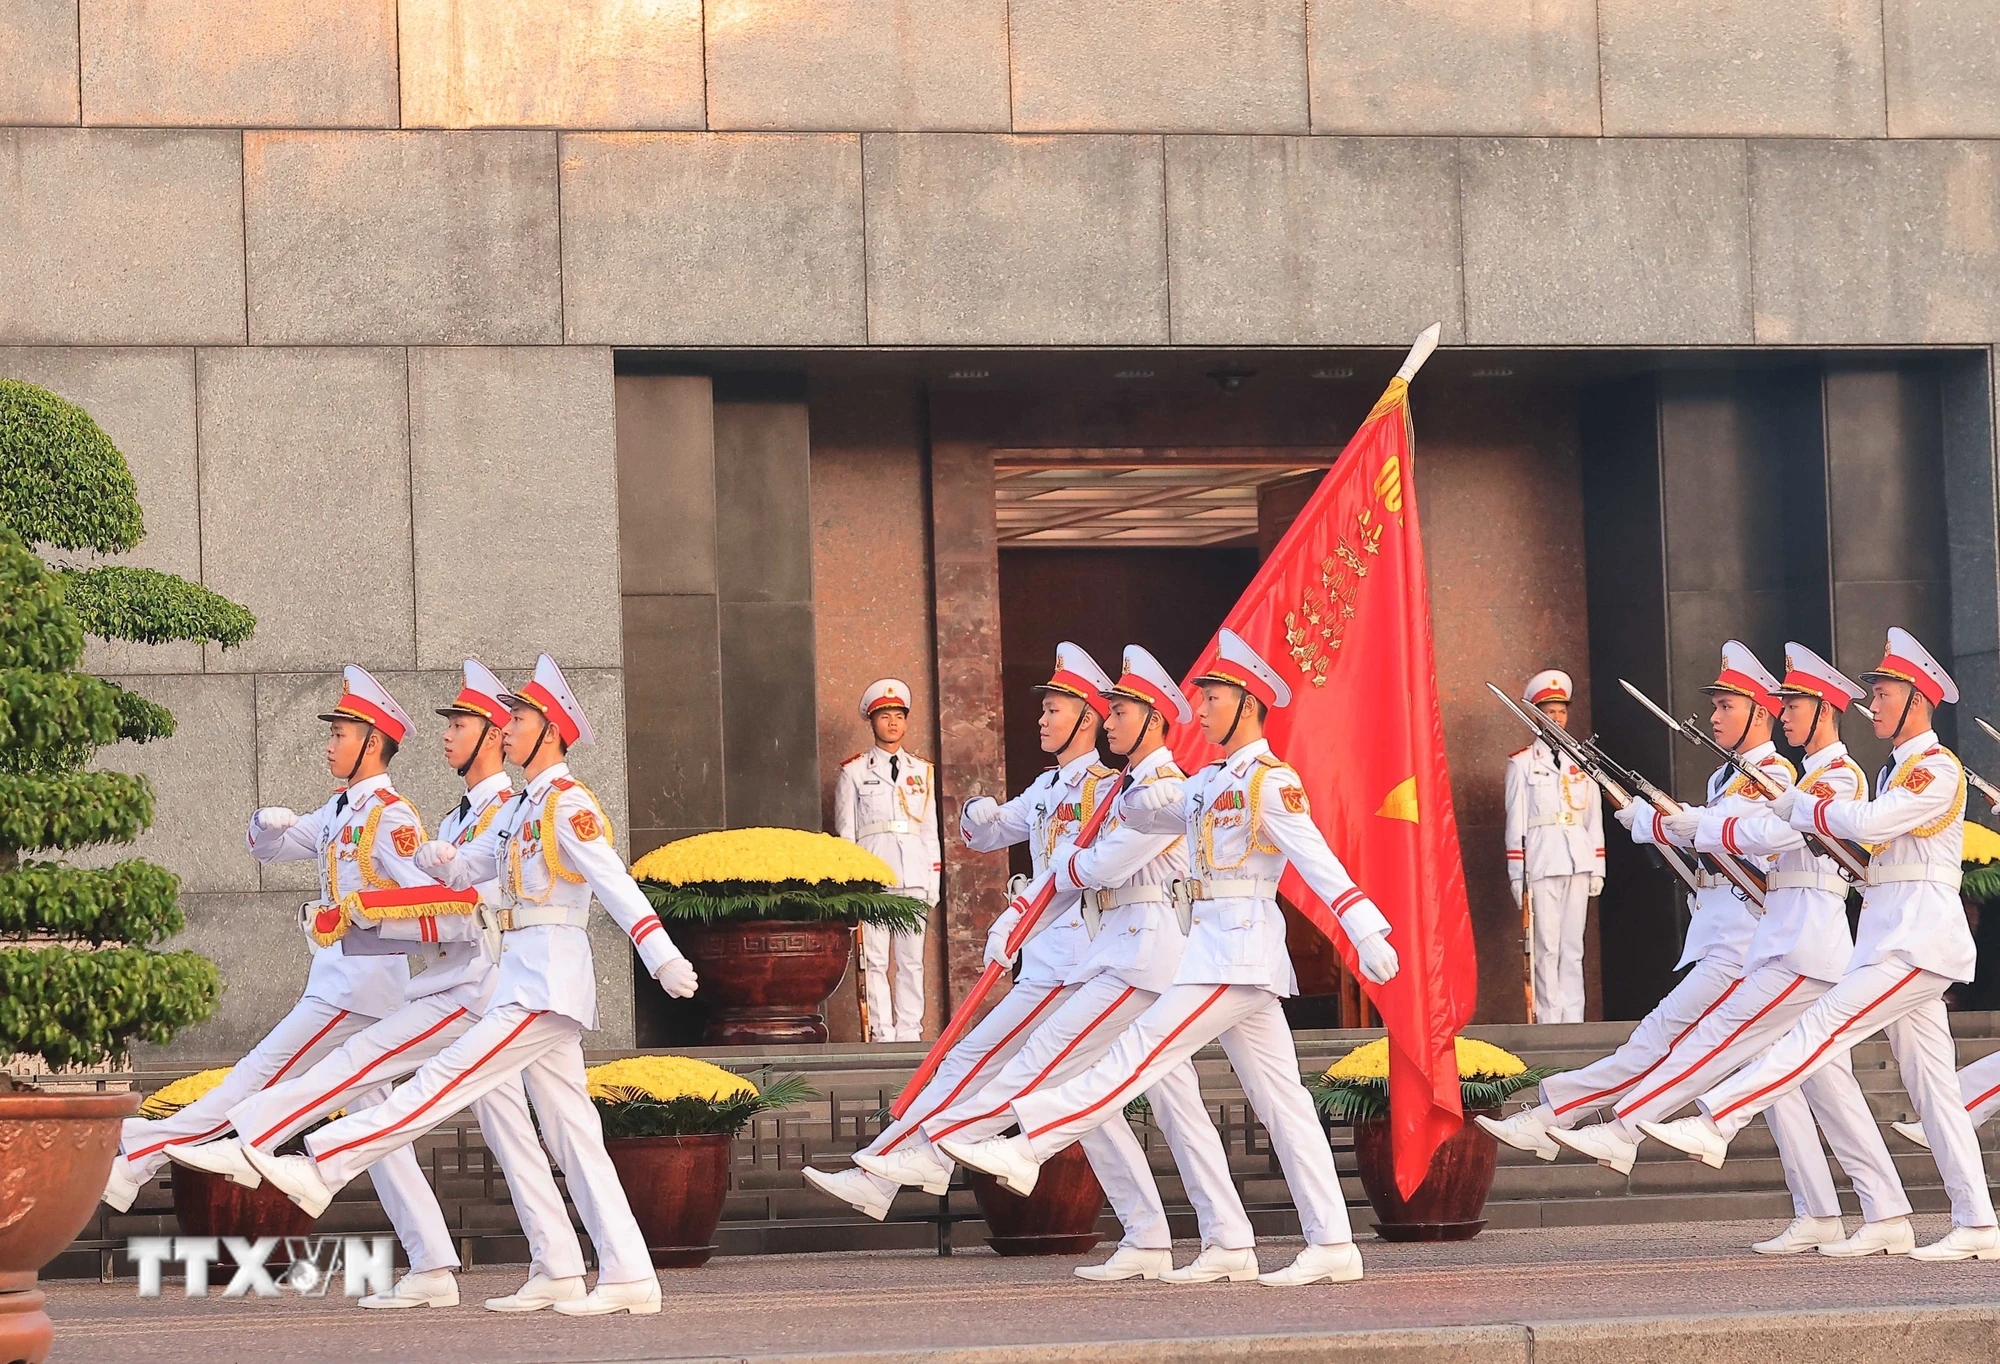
point(1913, 943)
point(441, 929)
point(551, 851)
point(886, 801)
point(1245, 819)
point(1127, 880)
point(1055, 807)
point(1798, 950)
point(1555, 855)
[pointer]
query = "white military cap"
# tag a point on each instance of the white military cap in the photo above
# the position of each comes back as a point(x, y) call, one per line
point(1742, 675)
point(889, 691)
point(548, 692)
point(368, 701)
point(1807, 674)
point(1238, 664)
point(1145, 680)
point(479, 695)
point(1078, 675)
point(1905, 660)
point(1550, 684)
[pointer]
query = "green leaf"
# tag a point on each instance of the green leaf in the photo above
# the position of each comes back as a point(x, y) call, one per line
point(118, 601)
point(76, 1007)
point(130, 902)
point(634, 1113)
point(1351, 1101)
point(40, 632)
point(62, 481)
point(73, 809)
point(845, 901)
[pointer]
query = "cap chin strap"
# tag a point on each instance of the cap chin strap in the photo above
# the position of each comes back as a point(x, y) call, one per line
point(485, 728)
point(540, 739)
point(1242, 703)
point(1073, 730)
point(1896, 734)
point(1126, 752)
point(362, 756)
point(1744, 736)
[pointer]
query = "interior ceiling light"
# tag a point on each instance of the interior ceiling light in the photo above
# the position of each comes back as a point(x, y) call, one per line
point(1231, 378)
point(970, 374)
point(1134, 374)
point(1498, 373)
point(1342, 373)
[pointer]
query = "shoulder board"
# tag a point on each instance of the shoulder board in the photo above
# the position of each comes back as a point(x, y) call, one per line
point(1519, 751)
point(1270, 760)
point(915, 757)
point(389, 797)
point(1933, 751)
point(852, 758)
point(1100, 770)
point(562, 783)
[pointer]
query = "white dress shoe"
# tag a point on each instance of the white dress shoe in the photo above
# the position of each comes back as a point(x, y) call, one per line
point(641, 1298)
point(1962, 1243)
point(1216, 1264)
point(1525, 1131)
point(1890, 1236)
point(430, 1288)
point(297, 1177)
point(538, 1292)
point(1912, 1131)
point(1802, 1235)
point(223, 1158)
point(914, 1165)
point(852, 1187)
point(1601, 1143)
point(1007, 1159)
point(1694, 1137)
point(1336, 1264)
point(121, 1188)
point(1129, 1262)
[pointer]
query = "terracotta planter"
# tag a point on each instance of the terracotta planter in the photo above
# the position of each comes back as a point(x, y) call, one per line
point(1059, 1218)
point(766, 980)
point(209, 1205)
point(675, 1186)
point(1448, 1204)
point(55, 1154)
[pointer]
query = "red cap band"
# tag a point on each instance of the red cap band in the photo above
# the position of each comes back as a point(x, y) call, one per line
point(480, 704)
point(1731, 680)
point(538, 696)
point(1074, 684)
point(892, 700)
point(1909, 672)
point(1830, 692)
point(369, 712)
point(1548, 694)
point(1132, 682)
point(1253, 684)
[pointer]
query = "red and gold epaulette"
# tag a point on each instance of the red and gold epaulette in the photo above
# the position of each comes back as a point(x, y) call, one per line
point(1933, 750)
point(850, 758)
point(1523, 749)
point(562, 783)
point(389, 797)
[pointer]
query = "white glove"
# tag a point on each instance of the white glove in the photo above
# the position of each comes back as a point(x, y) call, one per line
point(432, 857)
point(1596, 886)
point(1377, 959)
point(676, 976)
point(274, 818)
point(1515, 886)
point(1683, 822)
point(1626, 813)
point(996, 936)
point(1784, 802)
point(979, 812)
point(1159, 795)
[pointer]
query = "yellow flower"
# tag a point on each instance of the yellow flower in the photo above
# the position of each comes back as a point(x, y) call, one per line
point(762, 855)
point(666, 1077)
point(1476, 1060)
point(1981, 843)
point(171, 1099)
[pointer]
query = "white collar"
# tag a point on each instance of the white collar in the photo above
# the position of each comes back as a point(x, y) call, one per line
point(881, 754)
point(1759, 753)
point(1240, 760)
point(365, 788)
point(1073, 771)
point(1148, 765)
point(1923, 741)
point(541, 784)
point(1825, 757)
point(481, 793)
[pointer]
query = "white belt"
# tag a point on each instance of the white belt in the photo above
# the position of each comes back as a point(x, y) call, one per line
point(1879, 875)
point(535, 916)
point(1256, 888)
point(1543, 821)
point(887, 826)
point(1711, 880)
point(1104, 901)
point(1807, 880)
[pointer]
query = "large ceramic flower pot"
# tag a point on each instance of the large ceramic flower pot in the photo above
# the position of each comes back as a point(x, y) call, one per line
point(766, 980)
point(1058, 1218)
point(675, 1186)
point(208, 1205)
point(55, 1154)
point(1448, 1204)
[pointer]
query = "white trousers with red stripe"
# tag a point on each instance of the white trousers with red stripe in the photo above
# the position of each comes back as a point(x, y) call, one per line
point(1573, 1095)
point(1908, 1005)
point(1250, 1023)
point(1075, 1038)
point(545, 1051)
point(1736, 1032)
point(1979, 1087)
point(390, 1049)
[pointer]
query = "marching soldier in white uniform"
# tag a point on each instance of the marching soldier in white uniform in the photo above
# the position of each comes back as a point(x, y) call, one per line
point(1555, 854)
point(886, 801)
point(1978, 1085)
point(1127, 880)
point(1053, 808)
point(444, 1000)
point(551, 851)
point(1245, 818)
point(1798, 950)
point(1913, 943)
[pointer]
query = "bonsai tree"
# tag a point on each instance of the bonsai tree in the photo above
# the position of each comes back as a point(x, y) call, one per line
point(79, 979)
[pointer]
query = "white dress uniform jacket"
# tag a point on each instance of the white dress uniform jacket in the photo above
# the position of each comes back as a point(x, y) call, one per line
point(1130, 874)
point(1555, 817)
point(893, 817)
point(1055, 807)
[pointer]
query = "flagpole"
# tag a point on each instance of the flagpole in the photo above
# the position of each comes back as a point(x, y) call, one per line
point(1420, 351)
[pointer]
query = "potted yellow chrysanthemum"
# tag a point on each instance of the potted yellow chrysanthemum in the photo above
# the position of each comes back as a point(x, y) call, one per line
point(209, 1205)
point(1447, 1205)
point(767, 917)
point(668, 1122)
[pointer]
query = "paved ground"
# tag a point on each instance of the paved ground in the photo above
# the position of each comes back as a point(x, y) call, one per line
point(814, 1305)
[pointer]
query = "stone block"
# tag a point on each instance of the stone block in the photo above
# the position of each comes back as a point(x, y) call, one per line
point(117, 237)
point(1941, 56)
point(360, 238)
point(255, 942)
point(1769, 68)
point(1573, 242)
point(674, 663)
point(979, 240)
point(305, 501)
point(600, 765)
point(1522, 67)
point(1173, 66)
point(763, 502)
point(770, 722)
point(666, 484)
point(291, 755)
point(38, 53)
point(1313, 241)
point(858, 65)
point(551, 63)
point(755, 239)
point(144, 400)
point(479, 417)
point(1876, 242)
point(282, 63)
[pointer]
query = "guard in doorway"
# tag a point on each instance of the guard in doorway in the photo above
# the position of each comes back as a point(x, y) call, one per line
point(1555, 856)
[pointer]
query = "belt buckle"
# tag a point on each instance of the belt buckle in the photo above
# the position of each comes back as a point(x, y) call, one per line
point(899, 826)
point(1566, 817)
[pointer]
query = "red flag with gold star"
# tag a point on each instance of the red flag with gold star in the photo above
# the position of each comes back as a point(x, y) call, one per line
point(1342, 610)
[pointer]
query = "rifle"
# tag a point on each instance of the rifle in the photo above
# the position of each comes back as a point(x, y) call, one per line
point(1527, 927)
point(1852, 859)
point(1597, 767)
point(1986, 788)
